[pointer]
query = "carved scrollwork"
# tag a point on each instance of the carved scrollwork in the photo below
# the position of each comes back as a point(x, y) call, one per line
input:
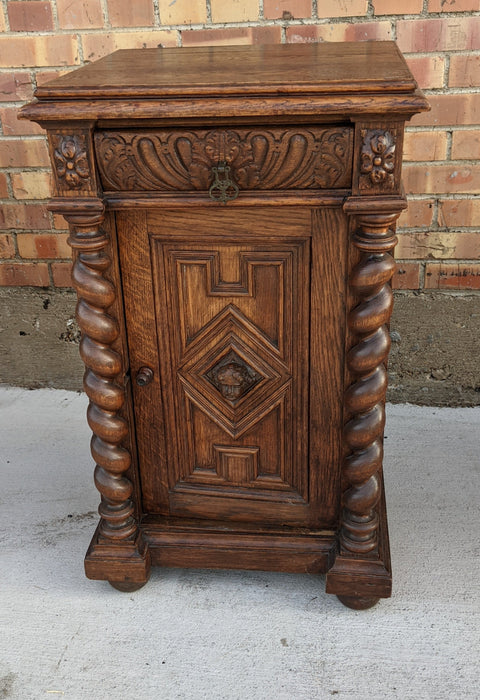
point(71, 162)
point(377, 159)
point(313, 158)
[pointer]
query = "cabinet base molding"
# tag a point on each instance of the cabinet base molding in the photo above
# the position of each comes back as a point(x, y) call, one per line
point(171, 542)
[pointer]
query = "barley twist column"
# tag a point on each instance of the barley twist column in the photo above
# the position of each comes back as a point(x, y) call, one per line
point(365, 397)
point(103, 368)
point(117, 552)
point(361, 572)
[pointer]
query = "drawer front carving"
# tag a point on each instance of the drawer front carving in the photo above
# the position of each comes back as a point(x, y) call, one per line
point(263, 159)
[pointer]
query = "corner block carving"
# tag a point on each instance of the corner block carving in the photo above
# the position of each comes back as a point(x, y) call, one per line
point(71, 166)
point(377, 167)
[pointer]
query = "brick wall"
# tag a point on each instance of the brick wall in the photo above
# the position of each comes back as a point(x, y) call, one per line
point(439, 243)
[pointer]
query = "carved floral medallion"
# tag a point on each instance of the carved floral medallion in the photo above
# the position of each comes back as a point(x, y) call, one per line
point(71, 162)
point(377, 159)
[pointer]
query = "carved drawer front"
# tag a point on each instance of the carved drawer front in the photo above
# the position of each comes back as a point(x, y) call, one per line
point(249, 158)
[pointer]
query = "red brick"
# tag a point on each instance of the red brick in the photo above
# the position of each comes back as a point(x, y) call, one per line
point(450, 110)
point(59, 223)
point(7, 246)
point(18, 153)
point(453, 5)
point(419, 213)
point(25, 216)
point(43, 245)
point(453, 276)
point(466, 145)
point(45, 76)
point(428, 71)
point(182, 11)
point(287, 9)
point(419, 179)
point(439, 34)
point(357, 31)
point(231, 36)
point(234, 10)
point(341, 8)
point(3, 186)
point(464, 71)
point(439, 245)
point(30, 16)
point(11, 126)
point(131, 14)
point(31, 184)
point(62, 274)
point(41, 50)
point(15, 87)
point(24, 275)
point(459, 212)
point(406, 276)
point(397, 7)
point(80, 15)
point(425, 145)
point(97, 44)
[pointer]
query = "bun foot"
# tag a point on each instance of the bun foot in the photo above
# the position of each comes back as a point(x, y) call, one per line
point(126, 586)
point(357, 603)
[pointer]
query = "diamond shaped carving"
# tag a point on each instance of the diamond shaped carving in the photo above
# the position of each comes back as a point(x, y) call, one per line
point(232, 373)
point(233, 377)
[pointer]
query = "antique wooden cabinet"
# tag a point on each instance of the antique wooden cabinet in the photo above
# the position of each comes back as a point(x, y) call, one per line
point(232, 215)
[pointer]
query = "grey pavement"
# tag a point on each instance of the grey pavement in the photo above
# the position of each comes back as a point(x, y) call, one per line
point(234, 635)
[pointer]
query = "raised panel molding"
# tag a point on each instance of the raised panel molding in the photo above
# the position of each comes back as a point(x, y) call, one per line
point(265, 159)
point(237, 383)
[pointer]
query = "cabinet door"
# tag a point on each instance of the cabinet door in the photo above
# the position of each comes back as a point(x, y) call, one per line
point(244, 336)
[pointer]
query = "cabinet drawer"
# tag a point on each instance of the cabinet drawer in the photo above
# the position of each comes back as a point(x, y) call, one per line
point(279, 158)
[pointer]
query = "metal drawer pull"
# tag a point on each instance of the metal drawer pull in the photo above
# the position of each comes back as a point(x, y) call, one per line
point(223, 188)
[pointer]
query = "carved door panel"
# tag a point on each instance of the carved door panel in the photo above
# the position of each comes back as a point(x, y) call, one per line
point(222, 315)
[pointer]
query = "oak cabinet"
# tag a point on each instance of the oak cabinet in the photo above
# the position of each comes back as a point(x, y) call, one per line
point(232, 215)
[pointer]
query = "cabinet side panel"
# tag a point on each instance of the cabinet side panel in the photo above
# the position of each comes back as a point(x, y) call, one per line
point(327, 353)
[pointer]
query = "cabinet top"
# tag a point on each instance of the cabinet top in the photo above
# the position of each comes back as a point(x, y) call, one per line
point(286, 69)
point(322, 80)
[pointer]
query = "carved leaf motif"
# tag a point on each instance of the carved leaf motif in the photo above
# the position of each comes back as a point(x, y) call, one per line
point(313, 158)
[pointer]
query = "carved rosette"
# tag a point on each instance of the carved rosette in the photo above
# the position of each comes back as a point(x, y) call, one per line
point(71, 162)
point(174, 160)
point(365, 397)
point(103, 374)
point(377, 166)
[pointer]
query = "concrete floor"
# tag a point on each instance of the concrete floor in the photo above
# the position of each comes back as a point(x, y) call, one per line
point(234, 635)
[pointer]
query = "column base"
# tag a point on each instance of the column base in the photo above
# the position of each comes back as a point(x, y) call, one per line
point(125, 564)
point(359, 581)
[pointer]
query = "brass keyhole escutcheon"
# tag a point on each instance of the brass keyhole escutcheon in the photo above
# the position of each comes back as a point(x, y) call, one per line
point(144, 376)
point(222, 189)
